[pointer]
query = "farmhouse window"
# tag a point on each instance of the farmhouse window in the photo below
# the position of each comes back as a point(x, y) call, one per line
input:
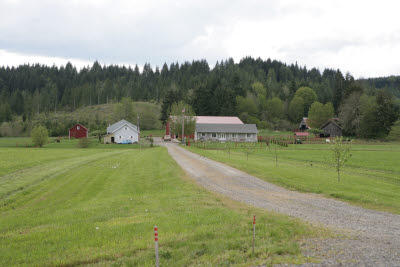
point(214, 135)
point(77, 127)
point(203, 134)
point(249, 135)
point(126, 128)
point(233, 135)
point(120, 137)
point(131, 137)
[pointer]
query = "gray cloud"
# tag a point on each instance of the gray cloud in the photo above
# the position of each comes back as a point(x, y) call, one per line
point(132, 32)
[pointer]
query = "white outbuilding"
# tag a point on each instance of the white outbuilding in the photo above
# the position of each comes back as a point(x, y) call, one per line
point(122, 132)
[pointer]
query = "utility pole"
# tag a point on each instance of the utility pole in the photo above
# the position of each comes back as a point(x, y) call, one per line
point(183, 125)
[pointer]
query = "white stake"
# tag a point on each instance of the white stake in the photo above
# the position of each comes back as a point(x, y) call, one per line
point(254, 231)
point(156, 245)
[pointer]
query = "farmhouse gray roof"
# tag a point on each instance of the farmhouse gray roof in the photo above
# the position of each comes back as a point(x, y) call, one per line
point(116, 126)
point(226, 128)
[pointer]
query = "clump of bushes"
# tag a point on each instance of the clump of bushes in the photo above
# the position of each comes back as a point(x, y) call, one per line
point(39, 136)
point(83, 143)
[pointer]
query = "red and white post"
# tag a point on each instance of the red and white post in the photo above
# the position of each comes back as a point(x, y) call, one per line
point(156, 245)
point(254, 231)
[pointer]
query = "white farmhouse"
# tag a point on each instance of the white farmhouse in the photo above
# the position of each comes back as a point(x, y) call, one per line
point(122, 132)
point(226, 132)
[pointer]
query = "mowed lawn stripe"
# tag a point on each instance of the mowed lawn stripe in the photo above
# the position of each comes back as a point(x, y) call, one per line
point(24, 178)
point(104, 212)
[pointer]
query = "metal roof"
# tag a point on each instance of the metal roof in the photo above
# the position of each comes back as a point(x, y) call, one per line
point(116, 126)
point(301, 133)
point(225, 128)
point(211, 119)
point(218, 120)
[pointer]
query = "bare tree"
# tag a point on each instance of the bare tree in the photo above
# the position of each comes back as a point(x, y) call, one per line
point(341, 153)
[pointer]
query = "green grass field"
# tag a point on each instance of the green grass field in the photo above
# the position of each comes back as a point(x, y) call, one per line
point(60, 205)
point(371, 178)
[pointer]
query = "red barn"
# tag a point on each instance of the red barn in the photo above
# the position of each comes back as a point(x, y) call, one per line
point(78, 131)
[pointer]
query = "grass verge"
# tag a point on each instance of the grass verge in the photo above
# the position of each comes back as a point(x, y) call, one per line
point(371, 178)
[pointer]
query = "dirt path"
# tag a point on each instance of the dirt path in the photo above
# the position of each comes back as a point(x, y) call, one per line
point(375, 236)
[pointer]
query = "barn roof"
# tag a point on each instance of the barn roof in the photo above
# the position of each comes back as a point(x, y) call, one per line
point(79, 125)
point(213, 119)
point(304, 121)
point(326, 124)
point(116, 126)
point(226, 128)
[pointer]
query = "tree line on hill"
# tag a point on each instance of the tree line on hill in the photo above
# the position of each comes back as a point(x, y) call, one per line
point(268, 93)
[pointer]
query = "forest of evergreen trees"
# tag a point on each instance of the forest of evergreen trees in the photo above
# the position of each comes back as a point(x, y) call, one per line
point(269, 93)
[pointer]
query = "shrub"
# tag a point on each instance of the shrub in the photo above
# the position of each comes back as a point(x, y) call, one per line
point(151, 141)
point(315, 131)
point(394, 134)
point(84, 143)
point(39, 136)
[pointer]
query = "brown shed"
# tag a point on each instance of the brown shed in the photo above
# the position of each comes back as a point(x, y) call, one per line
point(331, 129)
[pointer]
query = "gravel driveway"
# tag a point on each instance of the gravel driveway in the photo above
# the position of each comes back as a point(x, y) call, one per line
point(374, 236)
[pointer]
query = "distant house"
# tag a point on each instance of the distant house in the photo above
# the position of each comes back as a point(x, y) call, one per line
point(304, 124)
point(331, 129)
point(218, 128)
point(122, 132)
point(226, 132)
point(202, 119)
point(78, 131)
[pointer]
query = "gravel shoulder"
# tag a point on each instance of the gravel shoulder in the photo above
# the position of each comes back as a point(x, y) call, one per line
point(372, 237)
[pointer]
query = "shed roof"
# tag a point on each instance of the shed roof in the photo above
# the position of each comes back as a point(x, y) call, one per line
point(226, 128)
point(304, 121)
point(326, 124)
point(116, 126)
point(302, 133)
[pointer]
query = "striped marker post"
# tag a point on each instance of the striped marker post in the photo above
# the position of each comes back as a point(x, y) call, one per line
point(156, 245)
point(254, 231)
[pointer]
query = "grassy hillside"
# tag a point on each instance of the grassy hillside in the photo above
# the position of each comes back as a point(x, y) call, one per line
point(65, 206)
point(149, 114)
point(371, 178)
point(96, 117)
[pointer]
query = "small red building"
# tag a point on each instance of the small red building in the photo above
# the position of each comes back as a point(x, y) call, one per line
point(78, 131)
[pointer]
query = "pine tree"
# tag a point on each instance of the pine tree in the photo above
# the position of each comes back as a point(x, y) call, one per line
point(338, 90)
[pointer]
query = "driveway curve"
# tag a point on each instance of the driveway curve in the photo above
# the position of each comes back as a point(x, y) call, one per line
point(375, 235)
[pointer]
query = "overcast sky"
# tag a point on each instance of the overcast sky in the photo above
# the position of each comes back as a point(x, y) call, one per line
point(362, 37)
